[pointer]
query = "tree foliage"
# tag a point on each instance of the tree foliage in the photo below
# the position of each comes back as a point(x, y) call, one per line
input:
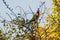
point(20, 28)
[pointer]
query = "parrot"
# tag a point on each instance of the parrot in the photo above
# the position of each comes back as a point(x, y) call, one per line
point(35, 17)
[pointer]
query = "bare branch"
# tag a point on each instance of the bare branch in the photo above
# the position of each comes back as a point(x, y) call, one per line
point(41, 4)
point(9, 15)
point(23, 11)
point(31, 10)
point(9, 7)
point(5, 21)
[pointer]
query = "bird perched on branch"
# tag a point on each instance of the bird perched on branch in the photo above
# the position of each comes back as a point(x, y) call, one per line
point(35, 16)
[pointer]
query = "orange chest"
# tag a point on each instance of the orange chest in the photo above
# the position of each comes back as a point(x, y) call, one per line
point(37, 14)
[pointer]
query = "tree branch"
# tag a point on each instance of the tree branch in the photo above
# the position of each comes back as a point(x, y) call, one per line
point(9, 7)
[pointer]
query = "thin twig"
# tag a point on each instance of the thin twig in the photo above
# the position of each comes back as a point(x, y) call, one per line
point(9, 7)
point(42, 16)
point(6, 21)
point(31, 10)
point(23, 10)
point(42, 4)
point(9, 15)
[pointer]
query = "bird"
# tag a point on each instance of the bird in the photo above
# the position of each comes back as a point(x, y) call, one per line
point(35, 17)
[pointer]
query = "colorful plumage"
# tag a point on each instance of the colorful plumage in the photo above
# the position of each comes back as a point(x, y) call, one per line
point(36, 16)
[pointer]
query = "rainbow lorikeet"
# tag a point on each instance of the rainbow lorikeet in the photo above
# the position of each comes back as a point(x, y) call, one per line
point(35, 17)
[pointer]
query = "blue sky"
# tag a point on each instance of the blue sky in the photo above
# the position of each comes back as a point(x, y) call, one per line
point(34, 4)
